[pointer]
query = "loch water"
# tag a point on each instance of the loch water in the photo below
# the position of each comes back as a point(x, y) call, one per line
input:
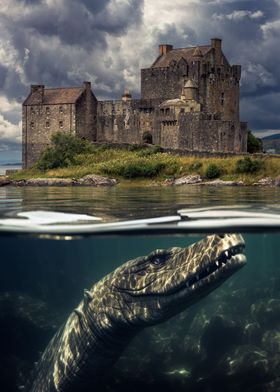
point(227, 341)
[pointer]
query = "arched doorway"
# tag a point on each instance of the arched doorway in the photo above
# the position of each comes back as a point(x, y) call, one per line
point(147, 138)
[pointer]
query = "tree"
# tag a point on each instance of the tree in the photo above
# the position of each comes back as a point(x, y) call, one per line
point(253, 143)
point(61, 152)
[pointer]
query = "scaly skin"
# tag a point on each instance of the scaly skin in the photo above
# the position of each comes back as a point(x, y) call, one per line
point(141, 292)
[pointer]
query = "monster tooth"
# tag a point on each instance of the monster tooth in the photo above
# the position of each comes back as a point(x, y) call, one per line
point(217, 263)
point(187, 284)
point(226, 253)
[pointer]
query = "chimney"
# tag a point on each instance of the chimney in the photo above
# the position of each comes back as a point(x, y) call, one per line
point(38, 91)
point(216, 44)
point(164, 48)
point(87, 86)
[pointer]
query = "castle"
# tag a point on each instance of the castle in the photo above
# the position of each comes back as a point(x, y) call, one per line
point(189, 101)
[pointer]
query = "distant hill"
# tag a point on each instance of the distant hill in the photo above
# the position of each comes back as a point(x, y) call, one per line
point(276, 136)
point(272, 142)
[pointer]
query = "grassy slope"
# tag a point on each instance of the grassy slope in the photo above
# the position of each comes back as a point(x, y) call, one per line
point(144, 164)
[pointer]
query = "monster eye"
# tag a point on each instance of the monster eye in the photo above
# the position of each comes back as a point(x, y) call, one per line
point(159, 258)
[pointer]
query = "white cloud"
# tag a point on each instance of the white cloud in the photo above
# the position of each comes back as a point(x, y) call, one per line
point(9, 105)
point(8, 131)
point(238, 15)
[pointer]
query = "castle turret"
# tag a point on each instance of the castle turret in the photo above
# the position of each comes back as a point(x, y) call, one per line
point(126, 97)
point(190, 90)
point(216, 44)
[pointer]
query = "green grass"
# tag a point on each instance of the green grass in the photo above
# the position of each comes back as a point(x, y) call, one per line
point(139, 164)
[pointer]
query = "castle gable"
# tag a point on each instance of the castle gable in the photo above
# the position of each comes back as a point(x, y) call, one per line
point(175, 55)
point(53, 96)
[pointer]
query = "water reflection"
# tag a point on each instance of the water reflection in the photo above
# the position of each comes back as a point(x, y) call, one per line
point(131, 202)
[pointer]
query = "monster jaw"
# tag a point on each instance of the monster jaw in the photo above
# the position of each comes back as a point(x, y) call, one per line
point(226, 264)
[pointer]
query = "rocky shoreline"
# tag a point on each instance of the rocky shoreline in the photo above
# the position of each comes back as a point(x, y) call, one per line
point(97, 181)
point(197, 180)
point(89, 180)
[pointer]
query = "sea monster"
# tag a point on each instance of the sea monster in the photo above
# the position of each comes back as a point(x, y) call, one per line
point(142, 292)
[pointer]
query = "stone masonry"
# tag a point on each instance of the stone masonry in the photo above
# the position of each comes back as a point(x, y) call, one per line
point(189, 101)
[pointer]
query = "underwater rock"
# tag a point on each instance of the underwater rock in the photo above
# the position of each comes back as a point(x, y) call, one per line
point(271, 341)
point(247, 365)
point(252, 333)
point(96, 180)
point(267, 312)
point(220, 334)
point(26, 325)
point(30, 321)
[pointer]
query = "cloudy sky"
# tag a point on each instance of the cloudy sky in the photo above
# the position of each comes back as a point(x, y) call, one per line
point(64, 42)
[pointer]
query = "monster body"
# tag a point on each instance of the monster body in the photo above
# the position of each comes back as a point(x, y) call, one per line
point(141, 292)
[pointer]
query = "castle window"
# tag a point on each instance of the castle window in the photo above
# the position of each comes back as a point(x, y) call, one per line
point(48, 111)
point(32, 111)
point(60, 124)
point(222, 98)
point(167, 111)
point(61, 109)
point(182, 110)
point(162, 111)
point(32, 125)
point(47, 124)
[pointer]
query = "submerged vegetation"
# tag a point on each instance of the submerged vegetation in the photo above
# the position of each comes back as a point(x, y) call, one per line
point(71, 157)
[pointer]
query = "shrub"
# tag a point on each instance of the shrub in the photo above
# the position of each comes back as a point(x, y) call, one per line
point(248, 165)
point(212, 171)
point(62, 151)
point(195, 166)
point(146, 151)
point(138, 168)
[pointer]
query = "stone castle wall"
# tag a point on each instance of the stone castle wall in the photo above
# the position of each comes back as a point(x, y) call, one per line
point(39, 123)
point(190, 103)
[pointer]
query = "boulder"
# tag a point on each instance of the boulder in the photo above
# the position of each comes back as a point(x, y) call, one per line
point(264, 181)
point(267, 312)
point(4, 180)
point(49, 182)
point(191, 179)
point(96, 180)
point(90, 180)
point(221, 182)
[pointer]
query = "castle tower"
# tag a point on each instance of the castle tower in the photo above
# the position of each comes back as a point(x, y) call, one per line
point(190, 91)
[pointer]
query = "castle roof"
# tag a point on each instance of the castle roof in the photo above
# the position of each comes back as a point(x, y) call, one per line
point(190, 84)
point(55, 96)
point(187, 54)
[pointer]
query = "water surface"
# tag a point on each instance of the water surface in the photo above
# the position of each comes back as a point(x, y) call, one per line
point(128, 202)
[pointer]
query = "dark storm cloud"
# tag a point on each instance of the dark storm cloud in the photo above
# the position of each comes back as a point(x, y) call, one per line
point(61, 38)
point(64, 42)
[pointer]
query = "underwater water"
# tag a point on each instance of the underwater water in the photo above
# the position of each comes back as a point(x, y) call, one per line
point(226, 341)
